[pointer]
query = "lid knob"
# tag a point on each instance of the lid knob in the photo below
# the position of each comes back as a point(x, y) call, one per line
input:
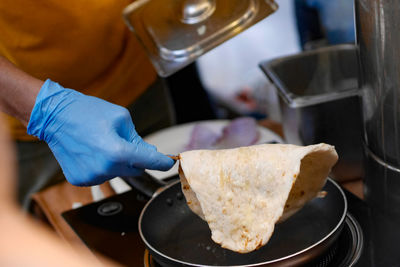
point(195, 11)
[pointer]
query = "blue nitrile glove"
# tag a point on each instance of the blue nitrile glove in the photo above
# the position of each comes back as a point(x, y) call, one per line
point(93, 140)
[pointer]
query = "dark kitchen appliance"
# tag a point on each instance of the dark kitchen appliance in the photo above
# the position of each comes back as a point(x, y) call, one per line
point(378, 38)
point(110, 227)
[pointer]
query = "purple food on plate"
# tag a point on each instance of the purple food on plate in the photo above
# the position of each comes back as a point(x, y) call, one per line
point(240, 132)
point(202, 138)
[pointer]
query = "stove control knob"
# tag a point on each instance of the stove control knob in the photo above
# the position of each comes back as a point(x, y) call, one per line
point(109, 208)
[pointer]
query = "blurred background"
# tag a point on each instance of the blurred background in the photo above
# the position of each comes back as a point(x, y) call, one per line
point(230, 73)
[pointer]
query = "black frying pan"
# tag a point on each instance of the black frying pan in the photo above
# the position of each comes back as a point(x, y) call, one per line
point(175, 236)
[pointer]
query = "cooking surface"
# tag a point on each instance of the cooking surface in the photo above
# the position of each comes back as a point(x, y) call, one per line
point(346, 250)
point(187, 238)
point(117, 237)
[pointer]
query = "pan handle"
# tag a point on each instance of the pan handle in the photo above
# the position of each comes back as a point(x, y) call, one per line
point(148, 185)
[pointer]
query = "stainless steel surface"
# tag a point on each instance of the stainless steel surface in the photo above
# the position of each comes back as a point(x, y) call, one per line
point(357, 241)
point(195, 11)
point(319, 101)
point(176, 32)
point(175, 236)
point(378, 37)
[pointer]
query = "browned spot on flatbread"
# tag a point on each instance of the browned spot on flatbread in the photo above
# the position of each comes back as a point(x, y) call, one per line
point(246, 242)
point(259, 245)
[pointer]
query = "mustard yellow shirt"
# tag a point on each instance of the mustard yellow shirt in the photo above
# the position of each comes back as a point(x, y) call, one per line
point(81, 44)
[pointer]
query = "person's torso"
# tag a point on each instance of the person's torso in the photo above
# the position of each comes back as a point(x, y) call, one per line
point(82, 44)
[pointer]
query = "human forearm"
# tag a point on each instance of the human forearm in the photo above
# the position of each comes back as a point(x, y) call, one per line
point(18, 91)
point(92, 139)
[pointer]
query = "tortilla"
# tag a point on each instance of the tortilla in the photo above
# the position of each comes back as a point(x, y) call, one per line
point(243, 192)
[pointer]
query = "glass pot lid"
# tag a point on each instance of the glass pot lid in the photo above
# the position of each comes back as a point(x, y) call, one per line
point(176, 32)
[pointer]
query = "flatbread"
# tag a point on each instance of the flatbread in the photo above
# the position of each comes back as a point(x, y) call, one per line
point(243, 192)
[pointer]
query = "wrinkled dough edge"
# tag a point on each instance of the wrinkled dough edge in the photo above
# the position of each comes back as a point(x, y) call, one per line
point(315, 167)
point(191, 198)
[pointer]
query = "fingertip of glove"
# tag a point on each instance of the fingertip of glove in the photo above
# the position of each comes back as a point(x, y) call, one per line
point(162, 162)
point(167, 164)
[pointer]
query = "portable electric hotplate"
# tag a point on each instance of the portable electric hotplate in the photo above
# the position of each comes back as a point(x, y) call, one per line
point(110, 227)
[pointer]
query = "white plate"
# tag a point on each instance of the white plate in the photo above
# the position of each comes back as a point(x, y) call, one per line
point(172, 140)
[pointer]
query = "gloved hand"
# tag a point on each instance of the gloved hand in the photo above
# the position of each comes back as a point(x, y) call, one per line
point(93, 140)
